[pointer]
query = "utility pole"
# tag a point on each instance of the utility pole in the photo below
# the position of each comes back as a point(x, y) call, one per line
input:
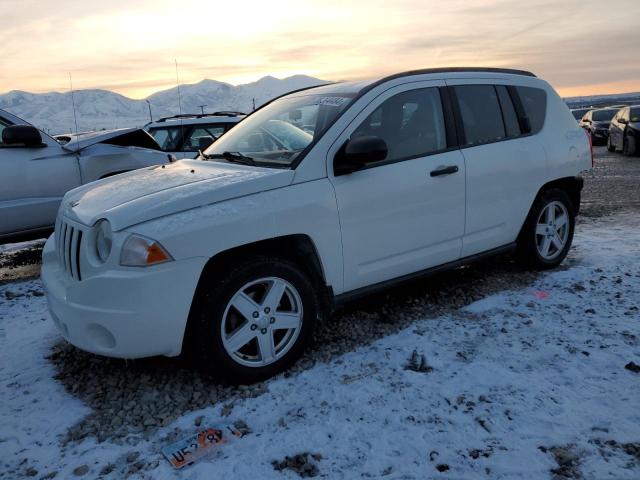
point(202, 108)
point(253, 101)
point(149, 105)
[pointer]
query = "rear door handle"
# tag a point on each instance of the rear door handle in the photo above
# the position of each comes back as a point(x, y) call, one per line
point(444, 171)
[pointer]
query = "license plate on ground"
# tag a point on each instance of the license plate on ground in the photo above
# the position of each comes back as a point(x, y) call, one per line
point(188, 450)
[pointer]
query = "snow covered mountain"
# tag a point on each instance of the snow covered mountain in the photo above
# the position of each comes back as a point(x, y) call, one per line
point(98, 109)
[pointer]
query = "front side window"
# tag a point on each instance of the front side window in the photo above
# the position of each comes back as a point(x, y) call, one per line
point(411, 123)
point(634, 115)
point(277, 134)
point(534, 102)
point(481, 114)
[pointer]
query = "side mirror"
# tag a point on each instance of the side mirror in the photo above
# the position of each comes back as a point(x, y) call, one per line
point(358, 152)
point(622, 120)
point(22, 136)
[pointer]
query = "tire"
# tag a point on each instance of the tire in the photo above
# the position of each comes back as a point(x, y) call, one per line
point(216, 320)
point(610, 146)
point(539, 236)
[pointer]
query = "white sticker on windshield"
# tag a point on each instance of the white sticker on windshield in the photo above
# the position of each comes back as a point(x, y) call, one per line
point(332, 101)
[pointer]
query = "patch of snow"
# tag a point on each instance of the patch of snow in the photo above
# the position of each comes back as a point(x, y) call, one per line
point(513, 375)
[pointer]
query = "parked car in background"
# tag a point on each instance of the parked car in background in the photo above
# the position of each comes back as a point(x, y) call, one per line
point(370, 183)
point(36, 170)
point(596, 122)
point(624, 131)
point(578, 113)
point(185, 135)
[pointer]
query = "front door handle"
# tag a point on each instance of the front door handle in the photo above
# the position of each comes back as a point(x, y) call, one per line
point(444, 171)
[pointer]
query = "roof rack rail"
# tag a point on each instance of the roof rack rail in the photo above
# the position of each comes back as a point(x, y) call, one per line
point(225, 113)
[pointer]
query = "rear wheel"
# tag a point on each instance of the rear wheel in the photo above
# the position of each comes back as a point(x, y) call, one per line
point(547, 234)
point(254, 322)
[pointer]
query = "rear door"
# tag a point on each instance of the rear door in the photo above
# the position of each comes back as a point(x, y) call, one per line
point(32, 184)
point(505, 164)
point(399, 215)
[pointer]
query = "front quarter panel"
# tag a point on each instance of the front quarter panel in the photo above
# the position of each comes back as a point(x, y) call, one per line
point(308, 208)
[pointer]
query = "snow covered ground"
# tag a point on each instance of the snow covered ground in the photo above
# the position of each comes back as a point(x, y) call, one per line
point(528, 383)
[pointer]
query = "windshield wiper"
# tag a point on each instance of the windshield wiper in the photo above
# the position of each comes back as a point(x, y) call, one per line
point(234, 157)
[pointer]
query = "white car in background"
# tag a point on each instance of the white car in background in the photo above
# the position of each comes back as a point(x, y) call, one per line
point(185, 135)
point(36, 170)
point(317, 198)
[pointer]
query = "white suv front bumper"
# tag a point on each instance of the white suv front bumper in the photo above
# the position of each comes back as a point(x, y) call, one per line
point(128, 312)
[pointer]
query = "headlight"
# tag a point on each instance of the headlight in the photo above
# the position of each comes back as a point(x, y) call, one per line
point(104, 239)
point(139, 251)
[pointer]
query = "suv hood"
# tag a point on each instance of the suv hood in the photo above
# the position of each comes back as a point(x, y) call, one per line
point(154, 192)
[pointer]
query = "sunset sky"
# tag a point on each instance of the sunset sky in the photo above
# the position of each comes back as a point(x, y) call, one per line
point(582, 47)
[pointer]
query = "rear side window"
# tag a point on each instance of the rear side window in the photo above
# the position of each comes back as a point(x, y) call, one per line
point(534, 102)
point(481, 114)
point(509, 115)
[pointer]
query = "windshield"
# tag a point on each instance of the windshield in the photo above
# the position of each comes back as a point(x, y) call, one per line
point(579, 113)
point(278, 133)
point(603, 115)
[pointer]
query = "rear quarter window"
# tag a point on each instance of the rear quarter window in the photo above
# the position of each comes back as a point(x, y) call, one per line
point(534, 102)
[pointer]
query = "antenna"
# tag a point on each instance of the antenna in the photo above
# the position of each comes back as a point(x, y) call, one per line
point(179, 101)
point(73, 103)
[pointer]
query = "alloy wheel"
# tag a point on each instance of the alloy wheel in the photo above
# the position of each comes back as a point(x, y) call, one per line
point(552, 230)
point(262, 321)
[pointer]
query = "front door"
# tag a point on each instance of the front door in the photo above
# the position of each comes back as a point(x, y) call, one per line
point(405, 213)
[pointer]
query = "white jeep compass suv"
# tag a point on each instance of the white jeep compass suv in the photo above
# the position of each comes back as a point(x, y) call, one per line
point(234, 256)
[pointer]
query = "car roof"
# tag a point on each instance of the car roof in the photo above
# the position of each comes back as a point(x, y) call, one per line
point(197, 119)
point(361, 86)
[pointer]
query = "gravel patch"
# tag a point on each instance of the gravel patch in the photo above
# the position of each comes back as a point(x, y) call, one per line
point(612, 186)
point(21, 264)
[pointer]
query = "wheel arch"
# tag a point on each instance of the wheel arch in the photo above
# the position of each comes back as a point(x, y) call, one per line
point(571, 185)
point(298, 248)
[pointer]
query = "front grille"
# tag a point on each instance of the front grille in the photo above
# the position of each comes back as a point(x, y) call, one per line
point(68, 242)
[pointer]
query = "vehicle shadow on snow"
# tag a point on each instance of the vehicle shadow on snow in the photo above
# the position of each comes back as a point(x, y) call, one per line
point(140, 396)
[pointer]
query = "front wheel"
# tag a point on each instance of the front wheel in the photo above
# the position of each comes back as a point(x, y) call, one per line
point(256, 321)
point(547, 233)
point(610, 146)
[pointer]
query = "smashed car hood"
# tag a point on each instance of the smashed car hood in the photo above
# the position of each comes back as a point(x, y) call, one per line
point(154, 192)
point(133, 137)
